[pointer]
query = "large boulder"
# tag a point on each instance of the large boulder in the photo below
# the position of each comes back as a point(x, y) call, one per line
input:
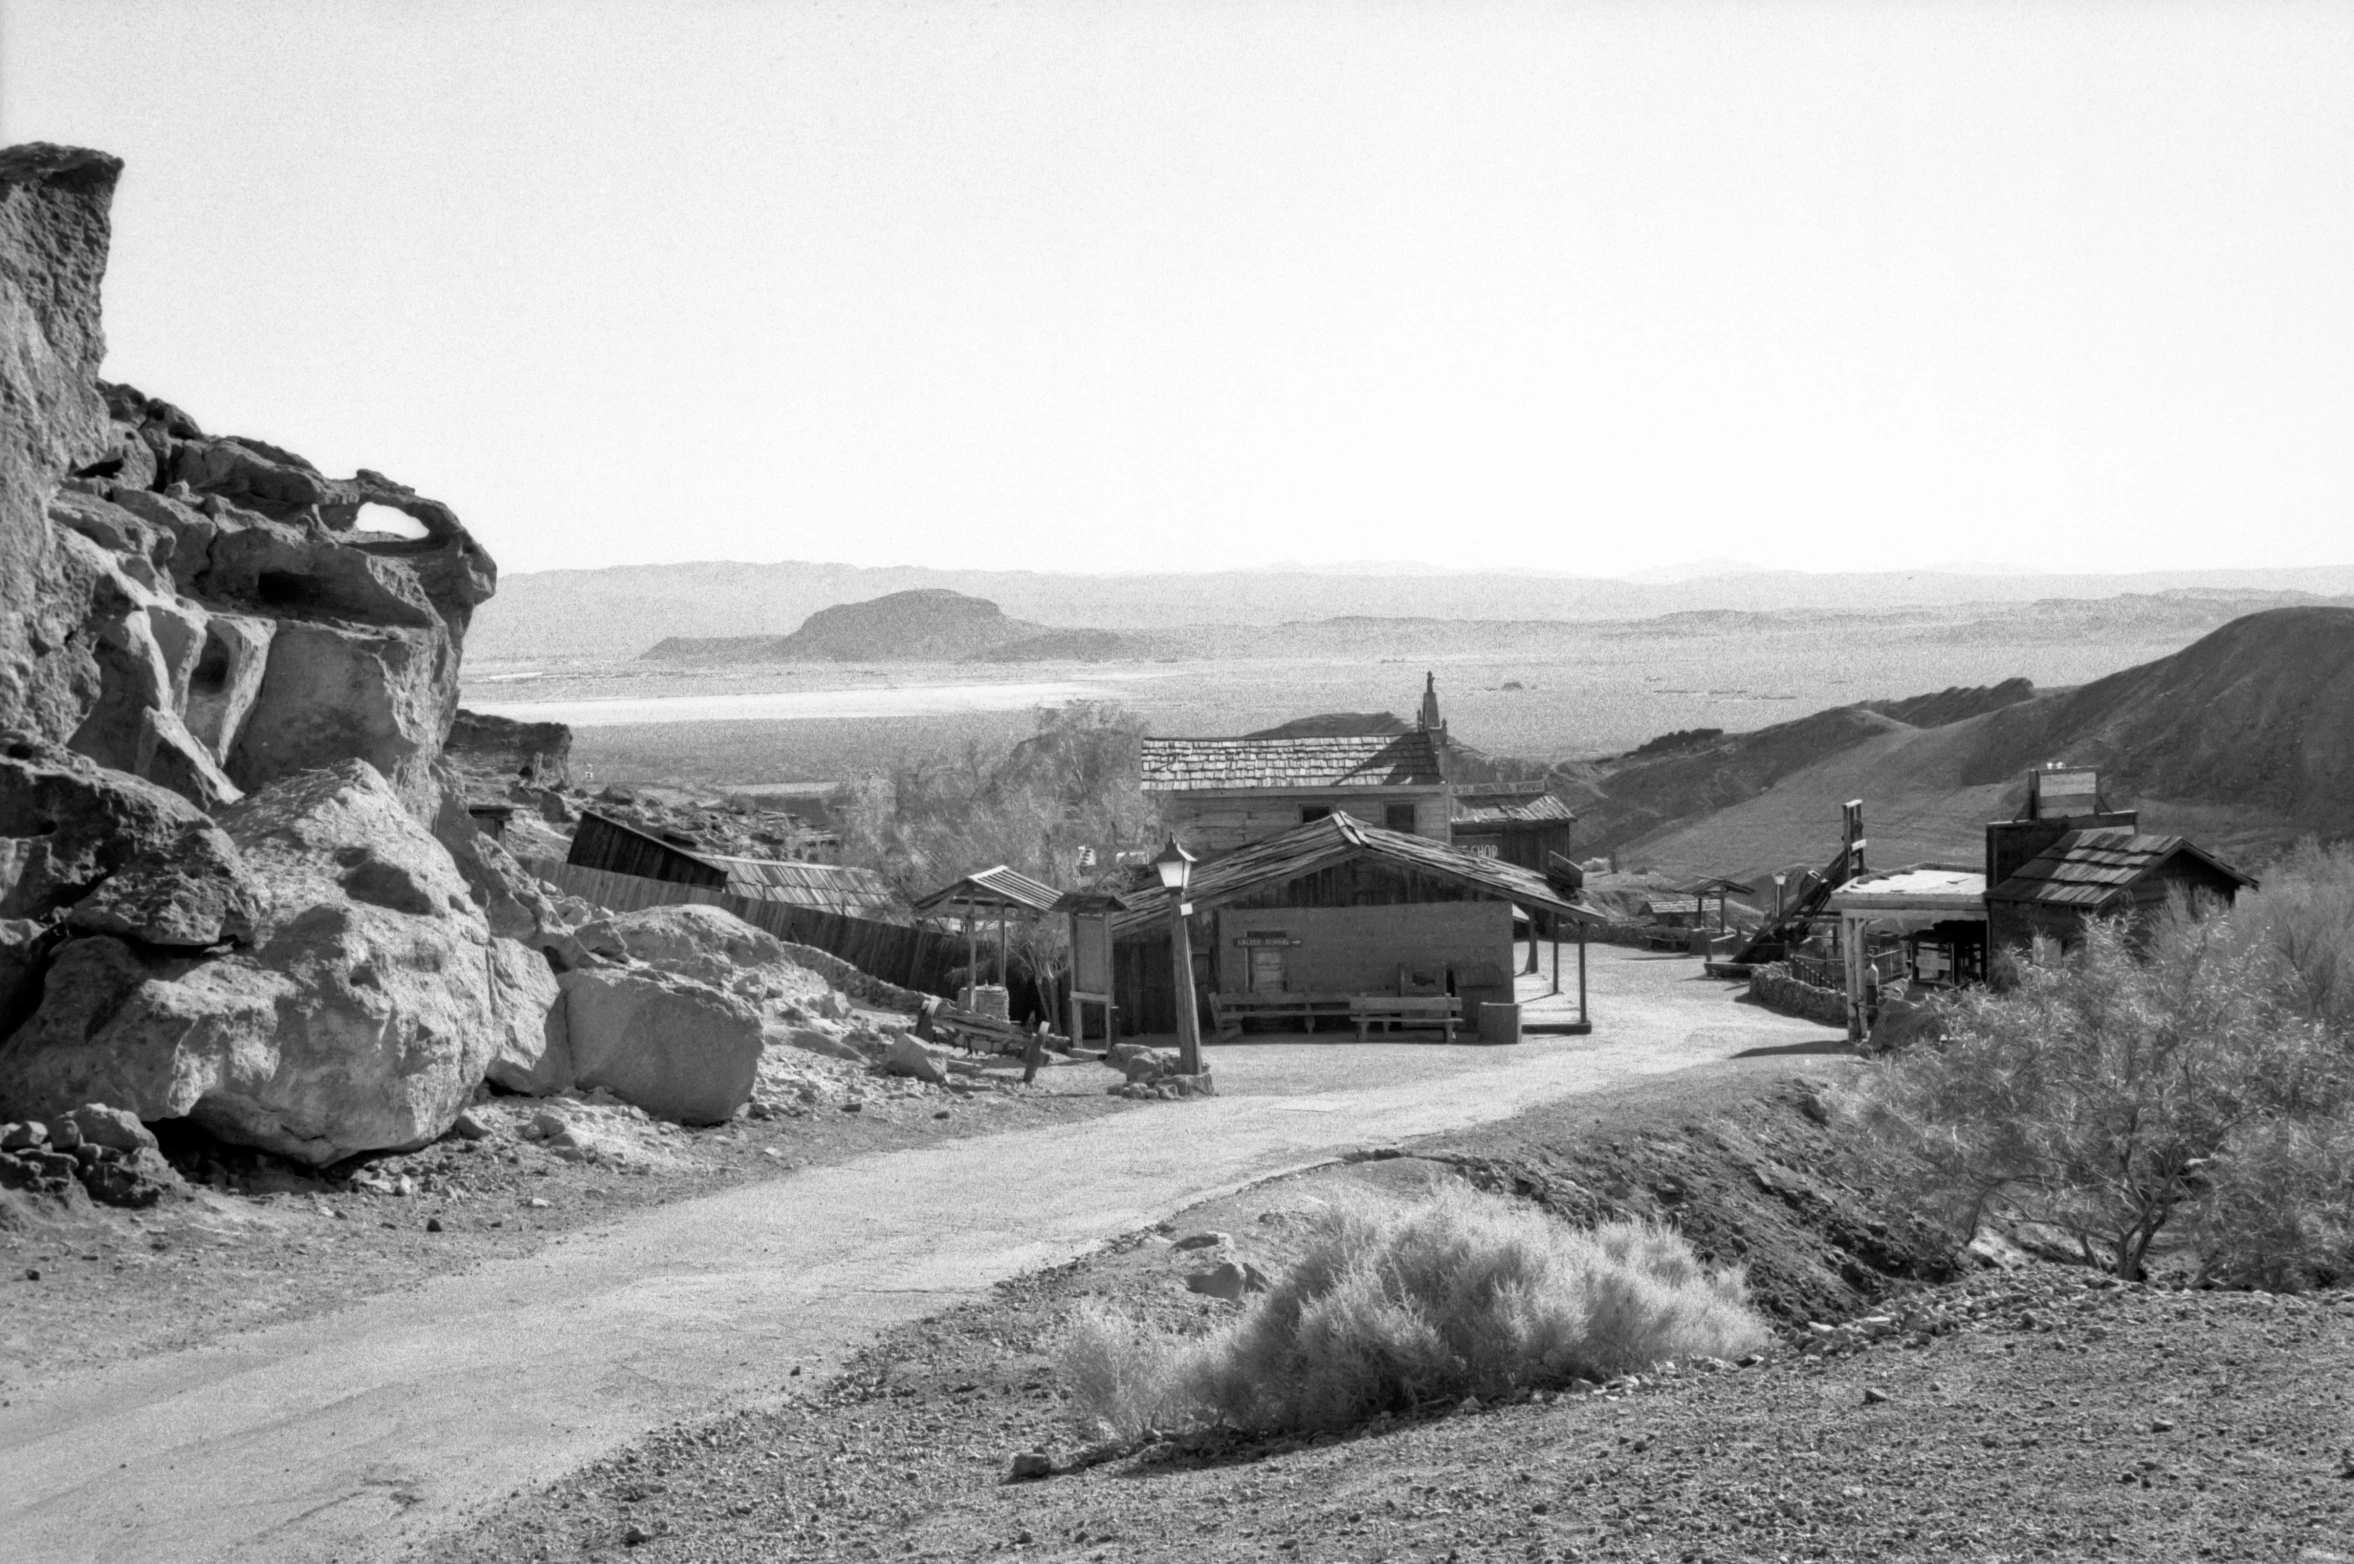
point(709, 944)
point(332, 691)
point(510, 897)
point(360, 1018)
point(672, 1046)
point(66, 824)
point(534, 1050)
point(53, 243)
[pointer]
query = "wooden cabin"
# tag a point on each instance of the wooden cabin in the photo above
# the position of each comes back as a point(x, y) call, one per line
point(2102, 872)
point(1516, 822)
point(1333, 908)
point(2070, 855)
point(1220, 795)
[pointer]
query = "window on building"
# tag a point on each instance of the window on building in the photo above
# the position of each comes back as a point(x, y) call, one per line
point(1311, 813)
point(1398, 817)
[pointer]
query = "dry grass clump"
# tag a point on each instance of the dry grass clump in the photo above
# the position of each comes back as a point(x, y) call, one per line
point(1393, 1304)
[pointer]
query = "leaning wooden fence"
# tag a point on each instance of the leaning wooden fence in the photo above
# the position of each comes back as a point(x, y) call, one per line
point(916, 958)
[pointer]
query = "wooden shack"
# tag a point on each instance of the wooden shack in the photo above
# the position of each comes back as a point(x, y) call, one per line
point(2102, 872)
point(1335, 908)
point(1519, 823)
point(603, 843)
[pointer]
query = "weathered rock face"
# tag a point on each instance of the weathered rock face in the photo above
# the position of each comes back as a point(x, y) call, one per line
point(672, 1046)
point(223, 694)
point(538, 754)
point(359, 1018)
point(53, 242)
point(203, 612)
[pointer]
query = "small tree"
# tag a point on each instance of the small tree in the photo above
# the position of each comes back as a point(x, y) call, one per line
point(2096, 1093)
point(1039, 806)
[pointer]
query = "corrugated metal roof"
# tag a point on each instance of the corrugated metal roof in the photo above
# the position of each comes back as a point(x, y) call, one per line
point(1544, 809)
point(998, 887)
point(1334, 839)
point(2092, 868)
point(1372, 760)
point(822, 887)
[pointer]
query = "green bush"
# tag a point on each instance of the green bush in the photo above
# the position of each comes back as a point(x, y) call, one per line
point(1390, 1304)
point(2190, 1074)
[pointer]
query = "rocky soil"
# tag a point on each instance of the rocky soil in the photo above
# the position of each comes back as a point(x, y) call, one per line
point(245, 1238)
point(2021, 1411)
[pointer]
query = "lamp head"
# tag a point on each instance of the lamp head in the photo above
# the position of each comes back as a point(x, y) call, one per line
point(1174, 865)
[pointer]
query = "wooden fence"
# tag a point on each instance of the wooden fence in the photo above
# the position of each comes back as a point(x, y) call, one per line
point(916, 958)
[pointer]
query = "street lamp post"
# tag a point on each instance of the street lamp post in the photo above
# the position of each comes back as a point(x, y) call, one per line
point(1175, 866)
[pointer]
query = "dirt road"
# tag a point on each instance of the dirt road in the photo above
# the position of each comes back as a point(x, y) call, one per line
point(351, 1436)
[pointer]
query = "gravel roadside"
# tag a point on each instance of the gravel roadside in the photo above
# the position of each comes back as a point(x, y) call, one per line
point(2027, 1413)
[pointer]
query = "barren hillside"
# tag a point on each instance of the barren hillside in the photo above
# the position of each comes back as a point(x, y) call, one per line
point(2244, 738)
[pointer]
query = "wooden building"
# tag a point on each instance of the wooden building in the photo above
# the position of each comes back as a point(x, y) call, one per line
point(2098, 873)
point(1516, 822)
point(606, 844)
point(2070, 856)
point(1337, 907)
point(601, 842)
point(1931, 921)
point(1219, 795)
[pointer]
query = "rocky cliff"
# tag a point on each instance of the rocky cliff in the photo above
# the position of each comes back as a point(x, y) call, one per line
point(237, 885)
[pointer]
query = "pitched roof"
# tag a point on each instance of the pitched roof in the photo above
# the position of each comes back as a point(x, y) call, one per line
point(998, 887)
point(2091, 868)
point(1367, 760)
point(1334, 839)
point(1479, 806)
point(821, 887)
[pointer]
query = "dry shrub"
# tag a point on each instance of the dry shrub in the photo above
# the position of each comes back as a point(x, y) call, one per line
point(2279, 1211)
point(1392, 1304)
point(2191, 1073)
point(2301, 927)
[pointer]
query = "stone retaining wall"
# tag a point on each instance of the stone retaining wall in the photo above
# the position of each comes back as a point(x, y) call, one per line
point(1773, 987)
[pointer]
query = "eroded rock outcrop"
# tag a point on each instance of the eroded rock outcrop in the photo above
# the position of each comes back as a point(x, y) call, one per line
point(210, 613)
point(53, 243)
point(224, 690)
point(358, 1017)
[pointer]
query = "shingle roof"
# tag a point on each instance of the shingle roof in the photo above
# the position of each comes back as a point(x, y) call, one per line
point(2092, 868)
point(1516, 808)
point(1370, 760)
point(1334, 839)
point(998, 887)
point(822, 887)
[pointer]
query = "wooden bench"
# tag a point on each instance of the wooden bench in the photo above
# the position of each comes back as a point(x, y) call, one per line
point(1229, 1011)
point(1443, 1011)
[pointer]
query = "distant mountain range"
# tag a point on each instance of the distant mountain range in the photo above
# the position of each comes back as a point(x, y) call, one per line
point(623, 611)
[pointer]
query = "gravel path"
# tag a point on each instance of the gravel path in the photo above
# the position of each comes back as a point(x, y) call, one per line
point(354, 1435)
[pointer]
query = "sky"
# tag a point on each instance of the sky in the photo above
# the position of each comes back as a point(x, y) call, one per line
point(1177, 284)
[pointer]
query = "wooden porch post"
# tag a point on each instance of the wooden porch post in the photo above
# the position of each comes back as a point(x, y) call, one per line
point(1582, 973)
